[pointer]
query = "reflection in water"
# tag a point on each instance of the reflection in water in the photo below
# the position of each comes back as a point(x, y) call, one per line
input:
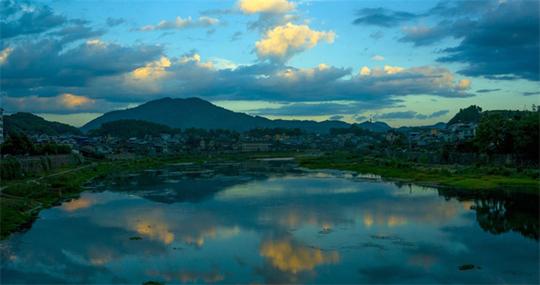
point(502, 212)
point(247, 226)
point(292, 257)
point(76, 204)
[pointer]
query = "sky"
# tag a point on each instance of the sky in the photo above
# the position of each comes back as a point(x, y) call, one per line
point(402, 62)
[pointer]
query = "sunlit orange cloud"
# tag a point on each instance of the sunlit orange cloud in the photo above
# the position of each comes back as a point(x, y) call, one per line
point(294, 258)
point(155, 230)
point(72, 101)
point(199, 237)
point(77, 204)
point(153, 70)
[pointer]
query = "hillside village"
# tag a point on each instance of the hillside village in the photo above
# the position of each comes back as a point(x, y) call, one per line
point(29, 138)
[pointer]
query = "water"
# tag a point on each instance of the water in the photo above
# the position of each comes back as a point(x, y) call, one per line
point(238, 225)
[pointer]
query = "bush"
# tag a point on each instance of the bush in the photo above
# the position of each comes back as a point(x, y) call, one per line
point(10, 168)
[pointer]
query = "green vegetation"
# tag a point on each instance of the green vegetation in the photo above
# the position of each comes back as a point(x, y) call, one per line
point(21, 200)
point(31, 124)
point(471, 114)
point(510, 132)
point(462, 177)
point(132, 128)
point(20, 144)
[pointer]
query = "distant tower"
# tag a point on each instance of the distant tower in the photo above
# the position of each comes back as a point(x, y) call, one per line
point(1, 125)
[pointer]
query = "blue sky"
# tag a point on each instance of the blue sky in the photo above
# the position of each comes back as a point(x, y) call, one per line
point(404, 62)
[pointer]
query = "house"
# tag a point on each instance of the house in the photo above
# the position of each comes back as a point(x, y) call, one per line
point(462, 131)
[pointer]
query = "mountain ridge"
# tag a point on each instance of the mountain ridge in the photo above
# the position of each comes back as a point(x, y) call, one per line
point(194, 112)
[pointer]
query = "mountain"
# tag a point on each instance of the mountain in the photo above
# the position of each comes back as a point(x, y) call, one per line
point(131, 128)
point(31, 124)
point(198, 113)
point(376, 127)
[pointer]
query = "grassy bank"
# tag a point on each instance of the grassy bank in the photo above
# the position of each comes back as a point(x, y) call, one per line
point(462, 177)
point(22, 200)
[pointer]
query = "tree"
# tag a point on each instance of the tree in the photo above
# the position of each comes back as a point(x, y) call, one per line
point(471, 114)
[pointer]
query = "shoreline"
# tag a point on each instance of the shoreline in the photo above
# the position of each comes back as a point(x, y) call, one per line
point(21, 201)
point(468, 178)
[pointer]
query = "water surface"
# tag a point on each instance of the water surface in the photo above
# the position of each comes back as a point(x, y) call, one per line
point(251, 224)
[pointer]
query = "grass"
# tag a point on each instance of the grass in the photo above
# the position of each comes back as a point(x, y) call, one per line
point(21, 200)
point(470, 178)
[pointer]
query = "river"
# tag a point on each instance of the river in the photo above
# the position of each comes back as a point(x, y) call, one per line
point(269, 222)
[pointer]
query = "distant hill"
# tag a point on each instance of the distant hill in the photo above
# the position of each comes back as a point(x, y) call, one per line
point(131, 128)
point(31, 124)
point(376, 127)
point(470, 114)
point(198, 113)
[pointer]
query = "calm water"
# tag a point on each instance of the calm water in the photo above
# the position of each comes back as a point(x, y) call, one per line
point(236, 225)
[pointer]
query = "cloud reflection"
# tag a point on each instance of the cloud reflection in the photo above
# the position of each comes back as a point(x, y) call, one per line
point(292, 257)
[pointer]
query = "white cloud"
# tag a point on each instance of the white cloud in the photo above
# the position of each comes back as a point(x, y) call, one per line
point(265, 6)
point(282, 42)
point(377, 57)
point(181, 23)
point(4, 54)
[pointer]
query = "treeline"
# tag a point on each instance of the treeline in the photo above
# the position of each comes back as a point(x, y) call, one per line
point(509, 132)
point(20, 144)
point(30, 124)
point(132, 128)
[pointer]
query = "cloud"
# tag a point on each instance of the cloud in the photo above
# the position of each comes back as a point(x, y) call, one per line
point(236, 36)
point(503, 44)
point(4, 54)
point(432, 115)
point(77, 31)
point(416, 80)
point(180, 23)
point(421, 35)
point(20, 18)
point(70, 67)
point(359, 118)
point(265, 6)
point(336, 118)
point(282, 42)
point(377, 58)
point(396, 115)
point(323, 108)
point(531, 93)
point(62, 104)
point(487, 90)
point(113, 22)
point(382, 17)
point(376, 35)
point(410, 115)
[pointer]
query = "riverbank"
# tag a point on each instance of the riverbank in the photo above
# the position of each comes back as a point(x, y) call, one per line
point(450, 176)
point(22, 200)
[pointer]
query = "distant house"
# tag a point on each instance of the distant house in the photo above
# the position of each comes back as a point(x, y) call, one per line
point(462, 131)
